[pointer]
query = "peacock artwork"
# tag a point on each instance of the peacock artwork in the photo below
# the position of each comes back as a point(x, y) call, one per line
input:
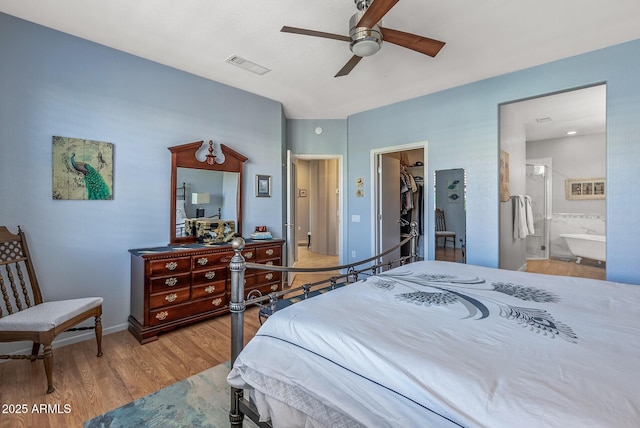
point(82, 169)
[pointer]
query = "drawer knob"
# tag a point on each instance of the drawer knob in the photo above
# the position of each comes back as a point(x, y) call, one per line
point(274, 287)
point(171, 297)
point(269, 276)
point(171, 281)
point(270, 252)
point(248, 255)
point(171, 265)
point(162, 315)
point(216, 302)
point(203, 261)
point(210, 289)
point(210, 275)
point(269, 263)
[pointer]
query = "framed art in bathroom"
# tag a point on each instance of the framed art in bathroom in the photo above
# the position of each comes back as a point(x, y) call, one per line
point(585, 188)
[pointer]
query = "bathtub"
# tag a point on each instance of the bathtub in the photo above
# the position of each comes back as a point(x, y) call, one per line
point(589, 246)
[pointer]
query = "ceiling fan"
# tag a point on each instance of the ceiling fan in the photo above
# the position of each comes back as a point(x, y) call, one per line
point(366, 34)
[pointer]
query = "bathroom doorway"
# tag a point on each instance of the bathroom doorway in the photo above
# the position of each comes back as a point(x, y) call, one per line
point(552, 142)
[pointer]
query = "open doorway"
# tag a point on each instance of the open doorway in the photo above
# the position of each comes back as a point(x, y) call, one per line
point(318, 210)
point(554, 149)
point(391, 213)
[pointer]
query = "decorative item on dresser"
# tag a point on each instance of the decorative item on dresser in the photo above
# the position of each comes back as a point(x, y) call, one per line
point(177, 285)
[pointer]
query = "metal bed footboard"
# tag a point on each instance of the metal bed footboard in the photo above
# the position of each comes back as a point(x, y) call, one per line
point(238, 305)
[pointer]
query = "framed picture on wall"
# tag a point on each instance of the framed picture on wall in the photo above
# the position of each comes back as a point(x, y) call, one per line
point(263, 185)
point(82, 169)
point(504, 176)
point(585, 188)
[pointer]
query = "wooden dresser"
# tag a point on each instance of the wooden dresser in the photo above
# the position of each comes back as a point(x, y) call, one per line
point(177, 285)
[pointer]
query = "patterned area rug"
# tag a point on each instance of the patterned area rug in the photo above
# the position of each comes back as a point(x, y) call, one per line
point(200, 401)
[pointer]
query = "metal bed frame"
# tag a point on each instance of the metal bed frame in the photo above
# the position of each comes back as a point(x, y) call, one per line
point(268, 304)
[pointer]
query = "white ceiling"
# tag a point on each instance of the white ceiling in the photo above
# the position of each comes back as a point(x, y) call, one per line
point(483, 39)
point(582, 111)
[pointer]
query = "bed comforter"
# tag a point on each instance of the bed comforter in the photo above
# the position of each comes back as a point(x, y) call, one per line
point(442, 344)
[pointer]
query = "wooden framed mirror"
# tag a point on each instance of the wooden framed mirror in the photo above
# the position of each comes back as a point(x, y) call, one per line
point(214, 176)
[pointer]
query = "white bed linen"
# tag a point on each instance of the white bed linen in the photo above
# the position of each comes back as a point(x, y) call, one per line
point(444, 344)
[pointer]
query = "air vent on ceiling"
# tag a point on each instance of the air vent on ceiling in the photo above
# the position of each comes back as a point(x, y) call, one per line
point(543, 119)
point(247, 65)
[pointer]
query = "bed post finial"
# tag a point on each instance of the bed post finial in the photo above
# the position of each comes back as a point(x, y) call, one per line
point(414, 242)
point(237, 308)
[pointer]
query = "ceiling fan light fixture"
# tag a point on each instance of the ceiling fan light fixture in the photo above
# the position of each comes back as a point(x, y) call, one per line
point(364, 41)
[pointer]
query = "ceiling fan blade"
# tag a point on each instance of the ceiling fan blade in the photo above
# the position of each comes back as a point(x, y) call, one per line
point(414, 42)
point(375, 12)
point(349, 66)
point(313, 33)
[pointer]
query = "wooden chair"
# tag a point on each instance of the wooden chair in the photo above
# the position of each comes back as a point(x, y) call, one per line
point(23, 314)
point(441, 229)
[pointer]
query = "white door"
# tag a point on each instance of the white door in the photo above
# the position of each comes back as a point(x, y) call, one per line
point(389, 208)
point(290, 228)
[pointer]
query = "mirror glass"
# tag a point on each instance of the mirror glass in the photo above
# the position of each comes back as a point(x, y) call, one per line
point(222, 188)
point(206, 195)
point(450, 215)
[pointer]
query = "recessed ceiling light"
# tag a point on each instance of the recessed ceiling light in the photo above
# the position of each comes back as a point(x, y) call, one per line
point(572, 132)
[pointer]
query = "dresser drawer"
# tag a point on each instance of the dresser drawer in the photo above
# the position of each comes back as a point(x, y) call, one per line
point(169, 298)
point(250, 255)
point(272, 262)
point(214, 273)
point(169, 266)
point(165, 283)
point(263, 277)
point(268, 253)
point(204, 260)
point(209, 289)
point(177, 312)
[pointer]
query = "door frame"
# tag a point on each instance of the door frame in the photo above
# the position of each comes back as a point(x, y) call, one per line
point(376, 195)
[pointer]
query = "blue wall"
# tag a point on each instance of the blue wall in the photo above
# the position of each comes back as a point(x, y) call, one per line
point(55, 84)
point(461, 127)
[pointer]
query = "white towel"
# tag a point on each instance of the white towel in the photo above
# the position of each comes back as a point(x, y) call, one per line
point(529, 215)
point(519, 218)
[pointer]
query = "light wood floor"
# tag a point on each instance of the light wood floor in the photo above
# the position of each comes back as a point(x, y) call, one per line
point(448, 254)
point(89, 386)
point(587, 269)
point(566, 268)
